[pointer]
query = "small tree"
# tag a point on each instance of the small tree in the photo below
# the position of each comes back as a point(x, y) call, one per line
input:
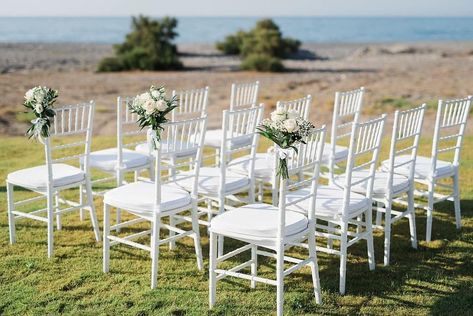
point(261, 48)
point(149, 46)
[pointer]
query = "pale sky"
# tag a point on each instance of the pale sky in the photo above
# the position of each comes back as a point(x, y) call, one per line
point(236, 7)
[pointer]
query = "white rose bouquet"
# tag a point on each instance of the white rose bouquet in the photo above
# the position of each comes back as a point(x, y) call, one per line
point(285, 129)
point(152, 108)
point(40, 100)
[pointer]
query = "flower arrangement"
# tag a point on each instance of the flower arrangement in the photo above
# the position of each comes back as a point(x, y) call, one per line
point(40, 100)
point(286, 129)
point(152, 108)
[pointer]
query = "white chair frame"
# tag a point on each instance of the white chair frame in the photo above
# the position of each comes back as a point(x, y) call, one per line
point(308, 159)
point(180, 137)
point(192, 103)
point(71, 120)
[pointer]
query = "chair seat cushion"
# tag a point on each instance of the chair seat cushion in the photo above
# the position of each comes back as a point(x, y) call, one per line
point(144, 149)
point(36, 178)
point(139, 198)
point(400, 182)
point(422, 168)
point(209, 180)
point(329, 201)
point(106, 159)
point(257, 220)
point(264, 166)
point(213, 138)
point(341, 153)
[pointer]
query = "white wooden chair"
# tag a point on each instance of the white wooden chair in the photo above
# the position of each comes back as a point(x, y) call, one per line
point(338, 206)
point(389, 185)
point(269, 230)
point(264, 162)
point(346, 110)
point(153, 201)
point(450, 124)
point(243, 95)
point(70, 123)
point(218, 186)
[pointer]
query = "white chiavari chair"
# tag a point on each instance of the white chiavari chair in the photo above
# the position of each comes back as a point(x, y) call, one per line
point(450, 125)
point(270, 230)
point(71, 135)
point(152, 201)
point(338, 206)
point(264, 162)
point(346, 109)
point(243, 95)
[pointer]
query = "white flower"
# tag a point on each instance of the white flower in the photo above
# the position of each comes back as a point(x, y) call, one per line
point(292, 114)
point(161, 105)
point(38, 107)
point(279, 115)
point(29, 95)
point(149, 106)
point(155, 93)
point(39, 95)
point(291, 125)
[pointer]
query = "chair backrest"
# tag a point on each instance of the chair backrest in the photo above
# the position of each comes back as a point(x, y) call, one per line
point(363, 153)
point(191, 103)
point(308, 158)
point(346, 111)
point(450, 125)
point(302, 106)
point(244, 95)
point(72, 128)
point(177, 138)
point(405, 139)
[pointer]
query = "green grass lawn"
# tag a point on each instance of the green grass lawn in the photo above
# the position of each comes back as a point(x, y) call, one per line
point(435, 279)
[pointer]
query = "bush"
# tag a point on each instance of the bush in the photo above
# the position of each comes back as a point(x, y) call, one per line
point(148, 46)
point(262, 62)
point(264, 43)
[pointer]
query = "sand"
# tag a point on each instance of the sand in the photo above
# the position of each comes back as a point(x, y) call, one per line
point(406, 73)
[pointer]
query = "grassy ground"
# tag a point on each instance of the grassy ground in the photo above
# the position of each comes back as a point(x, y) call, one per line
point(435, 279)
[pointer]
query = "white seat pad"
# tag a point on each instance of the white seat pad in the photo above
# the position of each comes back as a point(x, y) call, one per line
point(257, 220)
point(422, 168)
point(341, 152)
point(264, 166)
point(329, 201)
point(209, 180)
point(36, 178)
point(106, 159)
point(400, 182)
point(144, 149)
point(139, 198)
point(213, 138)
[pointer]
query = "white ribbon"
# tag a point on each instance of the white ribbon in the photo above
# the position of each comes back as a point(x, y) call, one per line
point(153, 142)
point(283, 153)
point(38, 127)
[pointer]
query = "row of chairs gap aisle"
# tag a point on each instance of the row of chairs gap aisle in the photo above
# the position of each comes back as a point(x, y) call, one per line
point(176, 184)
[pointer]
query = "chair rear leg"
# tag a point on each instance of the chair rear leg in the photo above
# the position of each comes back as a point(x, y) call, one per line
point(369, 239)
point(314, 266)
point(11, 216)
point(221, 207)
point(172, 222)
point(430, 208)
point(456, 199)
point(56, 207)
point(93, 214)
point(387, 233)
point(81, 201)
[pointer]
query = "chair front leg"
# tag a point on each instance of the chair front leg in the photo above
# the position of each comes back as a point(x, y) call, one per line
point(412, 217)
point(343, 255)
point(81, 201)
point(106, 240)
point(430, 209)
point(221, 209)
point(387, 232)
point(56, 207)
point(280, 279)
point(456, 199)
point(212, 267)
point(93, 214)
point(369, 238)
point(197, 245)
point(11, 216)
point(155, 249)
point(314, 266)
point(172, 222)
point(254, 264)
point(50, 212)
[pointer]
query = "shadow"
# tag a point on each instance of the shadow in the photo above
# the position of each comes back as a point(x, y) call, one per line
point(304, 54)
point(330, 70)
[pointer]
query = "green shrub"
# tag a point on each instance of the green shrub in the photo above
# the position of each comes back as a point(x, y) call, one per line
point(262, 62)
point(149, 46)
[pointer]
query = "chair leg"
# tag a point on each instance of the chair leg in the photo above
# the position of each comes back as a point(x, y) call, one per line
point(11, 216)
point(81, 201)
point(379, 215)
point(343, 256)
point(118, 211)
point(456, 200)
point(197, 245)
point(93, 214)
point(430, 208)
point(387, 233)
point(274, 192)
point(209, 210)
point(369, 239)
point(56, 207)
point(106, 241)
point(254, 264)
point(50, 210)
point(155, 250)
point(330, 240)
point(412, 218)
point(212, 267)
point(221, 207)
point(280, 279)
point(314, 266)
point(172, 222)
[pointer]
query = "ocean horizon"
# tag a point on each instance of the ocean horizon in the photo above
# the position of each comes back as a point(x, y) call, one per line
point(111, 30)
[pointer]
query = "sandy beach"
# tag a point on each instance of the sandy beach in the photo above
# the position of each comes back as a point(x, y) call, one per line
point(395, 76)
